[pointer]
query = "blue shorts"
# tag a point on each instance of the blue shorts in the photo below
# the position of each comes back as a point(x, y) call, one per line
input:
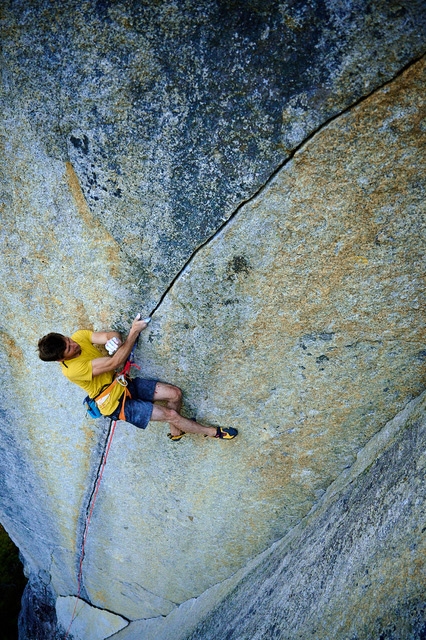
point(138, 408)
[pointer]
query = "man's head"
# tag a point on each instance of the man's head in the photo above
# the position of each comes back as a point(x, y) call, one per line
point(55, 347)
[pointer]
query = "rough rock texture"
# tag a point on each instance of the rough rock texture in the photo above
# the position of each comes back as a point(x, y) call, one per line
point(131, 133)
point(37, 618)
point(304, 315)
point(343, 572)
point(89, 622)
point(355, 569)
point(173, 113)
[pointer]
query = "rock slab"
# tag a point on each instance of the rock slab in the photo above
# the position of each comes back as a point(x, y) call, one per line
point(304, 315)
point(356, 569)
point(87, 622)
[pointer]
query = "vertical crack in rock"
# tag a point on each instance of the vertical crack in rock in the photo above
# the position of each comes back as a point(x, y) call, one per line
point(90, 620)
point(84, 521)
point(287, 160)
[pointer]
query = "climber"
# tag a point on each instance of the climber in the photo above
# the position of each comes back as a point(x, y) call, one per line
point(82, 363)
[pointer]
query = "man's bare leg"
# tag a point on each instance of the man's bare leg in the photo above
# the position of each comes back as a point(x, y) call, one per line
point(178, 423)
point(172, 396)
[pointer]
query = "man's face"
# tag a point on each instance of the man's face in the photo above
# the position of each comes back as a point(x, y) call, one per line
point(72, 350)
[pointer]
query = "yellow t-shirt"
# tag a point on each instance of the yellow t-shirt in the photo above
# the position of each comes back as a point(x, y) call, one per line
point(79, 371)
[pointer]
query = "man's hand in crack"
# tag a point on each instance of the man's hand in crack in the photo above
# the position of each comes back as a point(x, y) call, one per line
point(119, 358)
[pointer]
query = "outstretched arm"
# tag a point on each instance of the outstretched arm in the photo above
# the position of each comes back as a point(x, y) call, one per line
point(118, 360)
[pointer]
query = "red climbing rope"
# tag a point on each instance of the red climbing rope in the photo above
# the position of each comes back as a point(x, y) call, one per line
point(88, 519)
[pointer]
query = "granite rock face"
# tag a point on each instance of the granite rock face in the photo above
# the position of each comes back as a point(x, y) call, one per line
point(356, 567)
point(304, 316)
point(89, 622)
point(352, 568)
point(37, 618)
point(172, 114)
point(235, 168)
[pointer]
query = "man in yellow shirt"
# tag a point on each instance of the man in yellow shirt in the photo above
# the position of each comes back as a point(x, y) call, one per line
point(83, 364)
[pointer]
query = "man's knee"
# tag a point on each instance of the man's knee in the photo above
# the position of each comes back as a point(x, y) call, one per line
point(177, 394)
point(164, 414)
point(168, 392)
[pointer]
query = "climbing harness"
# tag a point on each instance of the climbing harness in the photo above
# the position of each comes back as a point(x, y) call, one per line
point(92, 404)
point(121, 378)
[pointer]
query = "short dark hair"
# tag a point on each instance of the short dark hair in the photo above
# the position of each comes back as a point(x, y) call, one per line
point(52, 347)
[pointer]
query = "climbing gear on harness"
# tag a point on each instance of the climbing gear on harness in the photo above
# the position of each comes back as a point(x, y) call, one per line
point(226, 433)
point(91, 407)
point(120, 378)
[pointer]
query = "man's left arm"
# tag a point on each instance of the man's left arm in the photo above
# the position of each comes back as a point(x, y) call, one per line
point(102, 337)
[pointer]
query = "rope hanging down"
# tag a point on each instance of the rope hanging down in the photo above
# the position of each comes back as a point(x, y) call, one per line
point(94, 494)
point(88, 518)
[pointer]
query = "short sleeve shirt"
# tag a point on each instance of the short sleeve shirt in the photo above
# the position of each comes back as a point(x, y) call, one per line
point(79, 371)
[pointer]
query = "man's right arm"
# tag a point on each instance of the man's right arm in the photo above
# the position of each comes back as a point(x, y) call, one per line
point(118, 360)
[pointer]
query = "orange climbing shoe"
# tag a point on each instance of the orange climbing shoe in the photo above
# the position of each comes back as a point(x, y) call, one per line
point(226, 433)
point(175, 438)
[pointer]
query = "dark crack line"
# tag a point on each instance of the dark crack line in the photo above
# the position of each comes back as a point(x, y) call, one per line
point(84, 524)
point(279, 168)
point(94, 606)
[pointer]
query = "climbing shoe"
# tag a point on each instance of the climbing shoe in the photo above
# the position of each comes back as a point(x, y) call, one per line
point(175, 438)
point(226, 433)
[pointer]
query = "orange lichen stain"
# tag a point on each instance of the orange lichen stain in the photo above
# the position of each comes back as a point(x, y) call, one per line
point(86, 443)
point(89, 433)
point(99, 597)
point(65, 458)
point(360, 260)
point(41, 256)
point(83, 208)
point(104, 322)
point(78, 196)
point(112, 257)
point(81, 315)
point(13, 352)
